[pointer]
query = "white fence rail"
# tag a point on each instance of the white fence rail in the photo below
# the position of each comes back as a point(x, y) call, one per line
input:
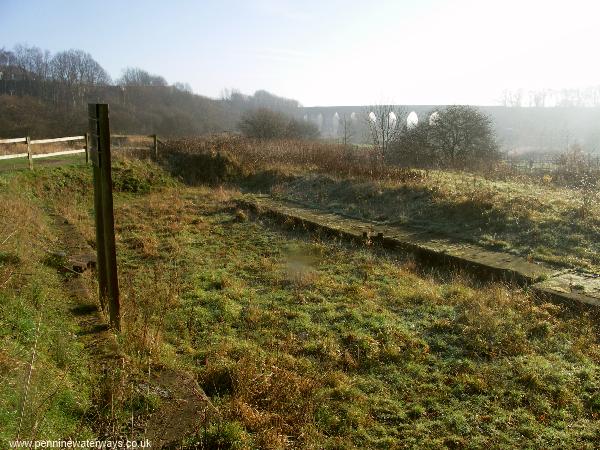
point(12, 141)
point(63, 152)
point(62, 139)
point(13, 156)
point(30, 155)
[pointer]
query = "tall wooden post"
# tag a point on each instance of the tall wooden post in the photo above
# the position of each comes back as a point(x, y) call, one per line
point(29, 156)
point(99, 134)
point(155, 137)
point(87, 148)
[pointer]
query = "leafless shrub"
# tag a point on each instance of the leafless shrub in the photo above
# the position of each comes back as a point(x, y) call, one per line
point(235, 157)
point(264, 123)
point(384, 125)
point(574, 169)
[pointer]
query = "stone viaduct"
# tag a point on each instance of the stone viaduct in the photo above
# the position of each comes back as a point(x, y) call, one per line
point(518, 129)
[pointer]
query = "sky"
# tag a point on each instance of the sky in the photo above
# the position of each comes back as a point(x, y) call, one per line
point(328, 52)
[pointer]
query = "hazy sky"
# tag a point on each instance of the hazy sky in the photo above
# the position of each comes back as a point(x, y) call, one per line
point(328, 52)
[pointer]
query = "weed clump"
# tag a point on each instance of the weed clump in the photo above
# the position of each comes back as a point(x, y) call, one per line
point(138, 177)
point(198, 163)
point(221, 159)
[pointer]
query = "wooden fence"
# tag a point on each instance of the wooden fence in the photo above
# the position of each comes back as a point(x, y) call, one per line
point(545, 163)
point(31, 155)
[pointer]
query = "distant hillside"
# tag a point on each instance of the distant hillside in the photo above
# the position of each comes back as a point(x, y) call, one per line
point(164, 110)
point(153, 110)
point(45, 95)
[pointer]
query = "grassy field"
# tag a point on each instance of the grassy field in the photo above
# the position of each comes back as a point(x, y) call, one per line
point(16, 164)
point(300, 342)
point(539, 221)
point(45, 382)
point(539, 217)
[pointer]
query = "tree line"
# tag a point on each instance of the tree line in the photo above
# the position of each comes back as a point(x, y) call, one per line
point(456, 136)
point(45, 94)
point(541, 98)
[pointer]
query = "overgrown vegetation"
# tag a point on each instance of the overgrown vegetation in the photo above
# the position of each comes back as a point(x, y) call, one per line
point(298, 341)
point(45, 382)
point(264, 123)
point(51, 386)
point(453, 137)
point(46, 95)
point(235, 159)
point(538, 216)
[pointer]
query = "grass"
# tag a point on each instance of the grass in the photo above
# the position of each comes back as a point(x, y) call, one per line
point(540, 222)
point(59, 398)
point(300, 342)
point(44, 387)
point(11, 165)
point(537, 217)
point(308, 343)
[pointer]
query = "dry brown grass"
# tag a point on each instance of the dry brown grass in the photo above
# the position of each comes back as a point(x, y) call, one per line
point(24, 234)
point(273, 398)
point(251, 156)
point(36, 149)
point(303, 344)
point(40, 365)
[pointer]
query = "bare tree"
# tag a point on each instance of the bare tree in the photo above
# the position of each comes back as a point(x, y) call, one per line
point(384, 125)
point(183, 87)
point(414, 146)
point(6, 57)
point(76, 71)
point(263, 123)
point(516, 99)
point(537, 98)
point(78, 67)
point(512, 98)
point(567, 97)
point(346, 129)
point(264, 99)
point(504, 99)
point(134, 76)
point(459, 136)
point(33, 61)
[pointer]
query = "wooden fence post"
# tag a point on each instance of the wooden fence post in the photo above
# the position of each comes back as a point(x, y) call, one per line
point(87, 148)
point(29, 158)
point(155, 146)
point(103, 205)
point(99, 222)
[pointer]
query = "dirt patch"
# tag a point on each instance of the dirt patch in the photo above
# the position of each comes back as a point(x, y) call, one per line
point(74, 259)
point(186, 411)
